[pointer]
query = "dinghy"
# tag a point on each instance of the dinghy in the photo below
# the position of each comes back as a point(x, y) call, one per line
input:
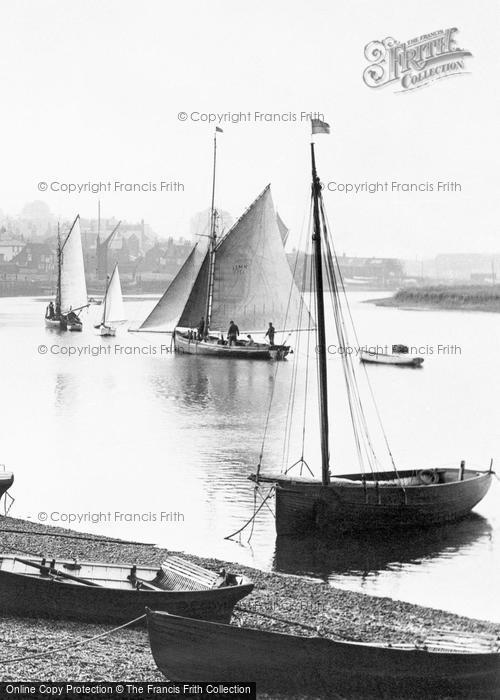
point(113, 312)
point(71, 292)
point(242, 276)
point(399, 356)
point(372, 497)
point(60, 588)
point(444, 664)
point(6, 481)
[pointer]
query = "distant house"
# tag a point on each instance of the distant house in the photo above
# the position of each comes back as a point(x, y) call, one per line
point(9, 248)
point(37, 257)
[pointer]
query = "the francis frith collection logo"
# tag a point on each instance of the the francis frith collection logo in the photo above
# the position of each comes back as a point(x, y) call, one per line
point(414, 63)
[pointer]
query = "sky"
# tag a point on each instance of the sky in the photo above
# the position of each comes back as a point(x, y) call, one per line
point(90, 91)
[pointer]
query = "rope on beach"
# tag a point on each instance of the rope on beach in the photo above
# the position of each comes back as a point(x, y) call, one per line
point(72, 644)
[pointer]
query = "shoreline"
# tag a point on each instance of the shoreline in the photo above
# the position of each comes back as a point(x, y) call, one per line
point(446, 298)
point(126, 656)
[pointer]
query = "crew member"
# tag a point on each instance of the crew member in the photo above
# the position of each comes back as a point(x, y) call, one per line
point(232, 333)
point(201, 328)
point(250, 340)
point(270, 333)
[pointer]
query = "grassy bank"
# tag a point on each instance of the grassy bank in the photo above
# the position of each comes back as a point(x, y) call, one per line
point(464, 297)
point(125, 655)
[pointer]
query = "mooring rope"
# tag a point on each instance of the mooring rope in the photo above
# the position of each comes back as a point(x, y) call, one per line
point(71, 644)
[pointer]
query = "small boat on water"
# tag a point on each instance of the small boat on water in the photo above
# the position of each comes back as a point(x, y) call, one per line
point(113, 312)
point(369, 497)
point(6, 481)
point(71, 292)
point(400, 356)
point(242, 275)
point(115, 592)
point(444, 664)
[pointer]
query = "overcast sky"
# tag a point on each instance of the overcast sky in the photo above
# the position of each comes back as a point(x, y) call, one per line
point(91, 90)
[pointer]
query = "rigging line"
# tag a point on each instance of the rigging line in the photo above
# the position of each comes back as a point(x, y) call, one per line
point(355, 407)
point(308, 350)
point(293, 388)
point(271, 398)
point(237, 532)
point(375, 404)
point(71, 644)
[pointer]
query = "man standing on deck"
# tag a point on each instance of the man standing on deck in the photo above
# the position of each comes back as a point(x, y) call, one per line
point(232, 333)
point(201, 328)
point(270, 333)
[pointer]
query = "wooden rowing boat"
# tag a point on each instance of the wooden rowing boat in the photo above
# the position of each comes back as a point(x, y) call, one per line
point(395, 358)
point(115, 592)
point(446, 664)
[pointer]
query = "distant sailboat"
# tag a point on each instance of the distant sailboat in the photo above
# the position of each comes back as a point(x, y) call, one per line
point(244, 276)
point(71, 293)
point(372, 498)
point(113, 312)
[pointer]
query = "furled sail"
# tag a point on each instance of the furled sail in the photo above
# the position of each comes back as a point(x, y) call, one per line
point(113, 311)
point(253, 283)
point(165, 315)
point(73, 286)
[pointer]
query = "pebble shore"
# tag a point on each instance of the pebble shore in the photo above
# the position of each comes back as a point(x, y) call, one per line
point(125, 655)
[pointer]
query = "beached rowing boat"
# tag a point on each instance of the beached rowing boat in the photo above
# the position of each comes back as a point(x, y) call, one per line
point(31, 586)
point(445, 664)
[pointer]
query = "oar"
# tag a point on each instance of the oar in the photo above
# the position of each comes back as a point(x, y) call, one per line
point(57, 572)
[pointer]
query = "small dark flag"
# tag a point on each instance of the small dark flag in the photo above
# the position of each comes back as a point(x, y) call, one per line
point(319, 127)
point(217, 128)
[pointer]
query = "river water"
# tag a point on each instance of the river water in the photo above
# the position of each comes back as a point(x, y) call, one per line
point(124, 438)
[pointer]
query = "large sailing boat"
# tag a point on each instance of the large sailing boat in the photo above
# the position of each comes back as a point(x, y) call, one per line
point(113, 312)
point(372, 498)
point(71, 293)
point(242, 277)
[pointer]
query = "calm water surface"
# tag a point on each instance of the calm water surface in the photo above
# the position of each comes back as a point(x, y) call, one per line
point(134, 432)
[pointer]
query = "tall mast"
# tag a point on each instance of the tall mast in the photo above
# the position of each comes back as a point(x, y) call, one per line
point(320, 323)
point(59, 262)
point(211, 263)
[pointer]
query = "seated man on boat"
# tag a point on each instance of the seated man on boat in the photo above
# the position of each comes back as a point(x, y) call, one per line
point(72, 317)
point(50, 314)
point(232, 333)
point(250, 340)
point(270, 333)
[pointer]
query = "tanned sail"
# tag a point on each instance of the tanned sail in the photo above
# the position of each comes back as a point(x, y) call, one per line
point(253, 283)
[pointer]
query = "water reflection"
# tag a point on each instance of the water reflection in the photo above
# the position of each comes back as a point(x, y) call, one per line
point(321, 557)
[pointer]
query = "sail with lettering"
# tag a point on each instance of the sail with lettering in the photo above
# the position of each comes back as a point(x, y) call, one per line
point(73, 285)
point(252, 280)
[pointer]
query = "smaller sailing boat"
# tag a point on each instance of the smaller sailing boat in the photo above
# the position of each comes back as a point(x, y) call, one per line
point(71, 292)
point(400, 356)
point(113, 312)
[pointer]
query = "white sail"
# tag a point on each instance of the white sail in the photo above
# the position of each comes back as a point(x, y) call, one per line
point(113, 311)
point(253, 282)
point(165, 315)
point(73, 286)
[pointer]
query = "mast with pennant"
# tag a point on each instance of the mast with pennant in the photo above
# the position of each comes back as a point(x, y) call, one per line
point(213, 241)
